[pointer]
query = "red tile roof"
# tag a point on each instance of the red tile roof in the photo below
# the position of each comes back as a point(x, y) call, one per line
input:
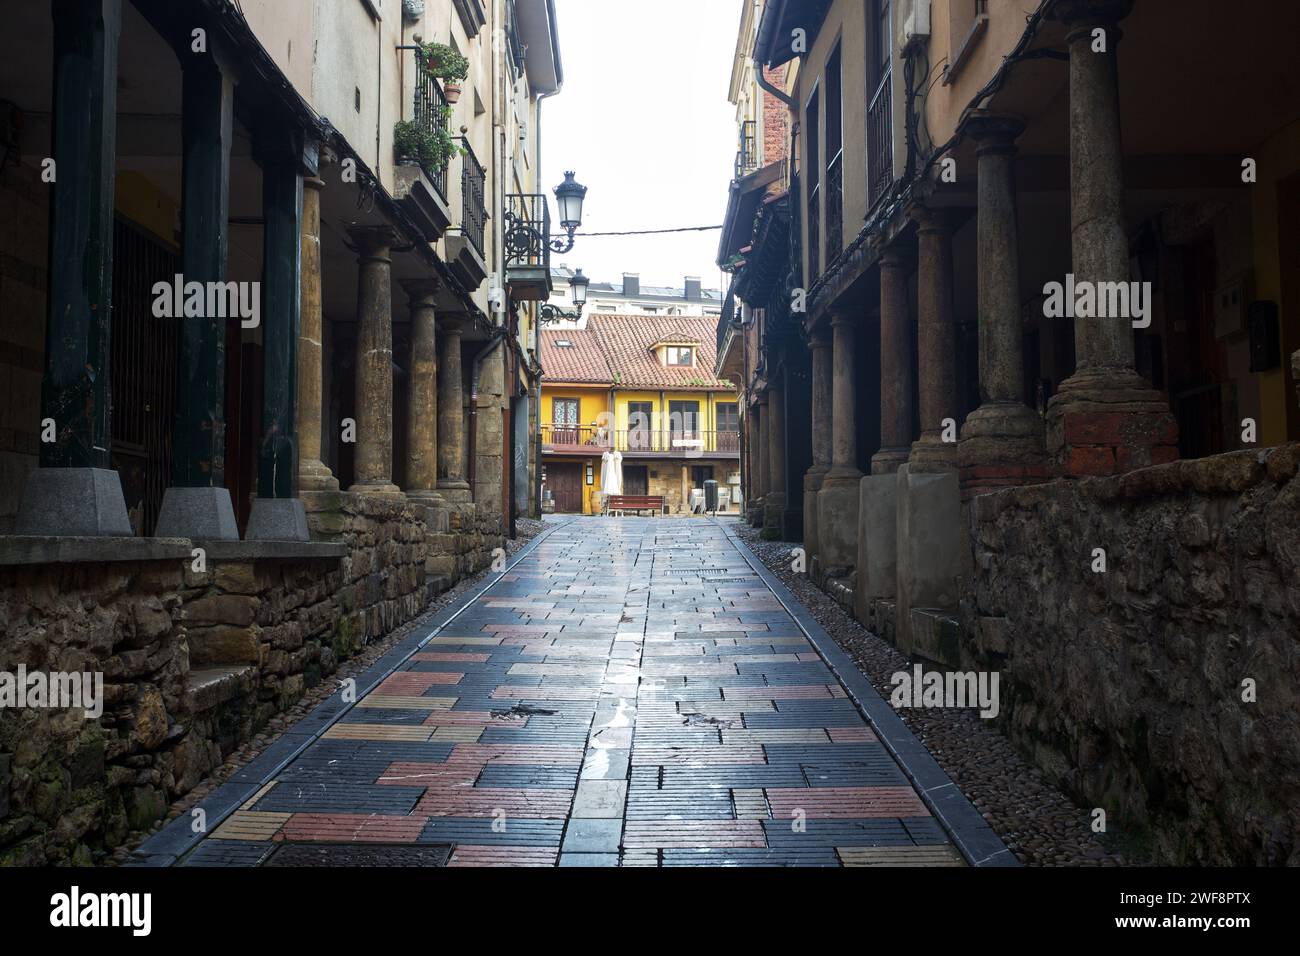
point(582, 360)
point(619, 348)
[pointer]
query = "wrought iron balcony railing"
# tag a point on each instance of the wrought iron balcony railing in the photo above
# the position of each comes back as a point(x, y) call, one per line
point(473, 181)
point(747, 155)
point(528, 230)
point(835, 207)
point(880, 141)
point(814, 233)
point(431, 110)
point(680, 442)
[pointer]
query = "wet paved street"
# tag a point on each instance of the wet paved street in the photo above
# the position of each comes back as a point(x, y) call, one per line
point(630, 693)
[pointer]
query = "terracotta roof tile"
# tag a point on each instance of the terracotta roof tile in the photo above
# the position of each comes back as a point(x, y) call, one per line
point(616, 350)
point(583, 360)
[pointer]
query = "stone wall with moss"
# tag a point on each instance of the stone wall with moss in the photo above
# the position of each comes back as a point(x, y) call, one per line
point(1126, 686)
point(196, 662)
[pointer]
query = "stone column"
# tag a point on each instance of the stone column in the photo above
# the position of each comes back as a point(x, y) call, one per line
point(1105, 418)
point(774, 500)
point(278, 515)
point(837, 501)
point(197, 504)
point(821, 436)
point(422, 419)
point(764, 429)
point(313, 475)
point(451, 414)
point(897, 371)
point(374, 385)
point(75, 491)
point(1002, 440)
point(936, 343)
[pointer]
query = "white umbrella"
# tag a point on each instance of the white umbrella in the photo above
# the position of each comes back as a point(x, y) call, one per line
point(611, 472)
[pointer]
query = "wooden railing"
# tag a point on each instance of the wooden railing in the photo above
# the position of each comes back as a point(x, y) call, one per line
point(589, 439)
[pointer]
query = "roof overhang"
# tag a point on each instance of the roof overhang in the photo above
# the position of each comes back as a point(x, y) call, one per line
point(743, 200)
point(539, 33)
point(776, 30)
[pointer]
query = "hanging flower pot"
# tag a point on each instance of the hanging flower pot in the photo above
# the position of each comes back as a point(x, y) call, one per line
point(451, 91)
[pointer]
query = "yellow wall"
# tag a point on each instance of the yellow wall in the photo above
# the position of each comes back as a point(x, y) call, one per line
point(592, 401)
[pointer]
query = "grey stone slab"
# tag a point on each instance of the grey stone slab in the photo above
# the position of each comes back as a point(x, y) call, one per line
point(278, 519)
point(198, 513)
point(85, 502)
point(59, 549)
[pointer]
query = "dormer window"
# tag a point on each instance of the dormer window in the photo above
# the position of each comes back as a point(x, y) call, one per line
point(679, 356)
point(563, 344)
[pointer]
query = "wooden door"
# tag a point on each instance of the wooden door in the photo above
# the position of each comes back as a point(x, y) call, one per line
point(565, 481)
point(636, 480)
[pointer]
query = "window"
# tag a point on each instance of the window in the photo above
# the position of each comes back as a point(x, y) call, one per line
point(679, 355)
point(639, 420)
point(563, 344)
point(564, 421)
point(683, 419)
point(834, 191)
point(728, 416)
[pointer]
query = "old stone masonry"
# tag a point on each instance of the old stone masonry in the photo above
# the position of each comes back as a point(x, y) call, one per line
point(629, 692)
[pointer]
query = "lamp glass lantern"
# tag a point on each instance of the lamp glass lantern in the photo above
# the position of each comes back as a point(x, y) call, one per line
point(569, 196)
point(578, 284)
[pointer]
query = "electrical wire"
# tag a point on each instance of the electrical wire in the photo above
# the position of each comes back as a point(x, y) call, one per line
point(648, 232)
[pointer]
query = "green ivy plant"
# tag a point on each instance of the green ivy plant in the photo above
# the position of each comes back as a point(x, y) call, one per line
point(443, 62)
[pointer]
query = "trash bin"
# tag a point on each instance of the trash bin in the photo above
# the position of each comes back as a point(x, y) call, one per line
point(711, 496)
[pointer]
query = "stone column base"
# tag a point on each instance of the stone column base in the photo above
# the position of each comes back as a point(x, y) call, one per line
point(887, 461)
point(1001, 445)
point(929, 549)
point(811, 485)
point(1099, 424)
point(837, 524)
point(877, 542)
point(930, 454)
point(773, 509)
point(277, 519)
point(73, 502)
point(201, 514)
point(455, 491)
point(315, 476)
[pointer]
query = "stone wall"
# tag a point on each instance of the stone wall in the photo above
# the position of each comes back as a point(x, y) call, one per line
point(196, 663)
point(1126, 686)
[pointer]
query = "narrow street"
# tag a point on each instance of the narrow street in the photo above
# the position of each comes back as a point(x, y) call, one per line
point(629, 692)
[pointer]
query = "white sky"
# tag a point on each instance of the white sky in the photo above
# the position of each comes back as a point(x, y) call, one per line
point(644, 121)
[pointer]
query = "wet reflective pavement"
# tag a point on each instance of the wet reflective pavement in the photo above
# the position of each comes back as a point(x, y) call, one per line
point(629, 693)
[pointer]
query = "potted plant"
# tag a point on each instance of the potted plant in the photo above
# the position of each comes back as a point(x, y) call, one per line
point(443, 62)
point(408, 143)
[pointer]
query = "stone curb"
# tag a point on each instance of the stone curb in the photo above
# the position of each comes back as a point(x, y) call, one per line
point(969, 832)
point(177, 838)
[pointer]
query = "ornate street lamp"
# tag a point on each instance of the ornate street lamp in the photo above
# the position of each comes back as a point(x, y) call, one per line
point(569, 196)
point(578, 284)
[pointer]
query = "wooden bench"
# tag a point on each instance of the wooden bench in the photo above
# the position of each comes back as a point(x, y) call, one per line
point(617, 504)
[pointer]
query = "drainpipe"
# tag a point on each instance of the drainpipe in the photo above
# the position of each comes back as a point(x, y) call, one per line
point(766, 86)
point(498, 336)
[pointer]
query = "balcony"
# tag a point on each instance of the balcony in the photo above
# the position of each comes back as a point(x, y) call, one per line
point(422, 190)
point(640, 442)
point(528, 247)
point(880, 141)
point(747, 155)
point(465, 252)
